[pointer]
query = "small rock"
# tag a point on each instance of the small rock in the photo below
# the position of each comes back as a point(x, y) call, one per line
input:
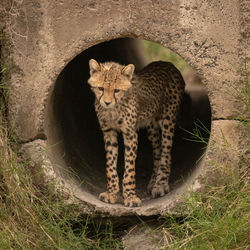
point(142, 237)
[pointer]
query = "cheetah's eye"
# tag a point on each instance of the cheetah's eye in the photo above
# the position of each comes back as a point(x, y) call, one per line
point(101, 88)
point(117, 90)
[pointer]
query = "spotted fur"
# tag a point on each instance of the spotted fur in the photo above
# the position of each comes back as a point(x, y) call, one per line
point(126, 101)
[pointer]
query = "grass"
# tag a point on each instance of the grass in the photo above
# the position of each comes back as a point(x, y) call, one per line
point(35, 217)
point(217, 219)
point(156, 52)
point(38, 218)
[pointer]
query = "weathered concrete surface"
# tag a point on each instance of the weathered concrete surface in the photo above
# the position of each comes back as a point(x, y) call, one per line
point(46, 174)
point(143, 237)
point(42, 37)
point(228, 145)
point(45, 35)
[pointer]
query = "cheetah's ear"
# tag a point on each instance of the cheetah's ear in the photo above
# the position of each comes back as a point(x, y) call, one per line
point(128, 71)
point(94, 66)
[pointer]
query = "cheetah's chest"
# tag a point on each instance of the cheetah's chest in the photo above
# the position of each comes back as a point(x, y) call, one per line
point(111, 118)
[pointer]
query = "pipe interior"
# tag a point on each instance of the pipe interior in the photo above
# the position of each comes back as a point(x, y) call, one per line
point(75, 131)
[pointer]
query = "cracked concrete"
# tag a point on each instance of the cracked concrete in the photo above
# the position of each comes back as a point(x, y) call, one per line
point(46, 48)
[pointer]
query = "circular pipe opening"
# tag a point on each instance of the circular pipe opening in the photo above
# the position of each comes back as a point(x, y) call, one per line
point(77, 150)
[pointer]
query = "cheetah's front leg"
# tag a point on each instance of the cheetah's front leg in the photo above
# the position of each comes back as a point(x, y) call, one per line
point(129, 187)
point(111, 147)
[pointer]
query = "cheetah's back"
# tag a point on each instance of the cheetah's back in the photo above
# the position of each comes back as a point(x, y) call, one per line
point(158, 85)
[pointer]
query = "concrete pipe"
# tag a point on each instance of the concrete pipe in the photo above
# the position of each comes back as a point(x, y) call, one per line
point(47, 48)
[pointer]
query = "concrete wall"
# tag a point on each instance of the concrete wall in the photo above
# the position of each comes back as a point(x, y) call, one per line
point(43, 37)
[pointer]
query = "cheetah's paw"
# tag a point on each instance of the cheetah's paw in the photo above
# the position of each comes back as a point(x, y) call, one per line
point(132, 201)
point(160, 190)
point(108, 197)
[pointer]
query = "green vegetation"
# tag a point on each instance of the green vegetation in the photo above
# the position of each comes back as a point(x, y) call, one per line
point(156, 52)
point(35, 217)
point(217, 219)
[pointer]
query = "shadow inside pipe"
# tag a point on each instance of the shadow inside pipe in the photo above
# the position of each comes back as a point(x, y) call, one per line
point(76, 123)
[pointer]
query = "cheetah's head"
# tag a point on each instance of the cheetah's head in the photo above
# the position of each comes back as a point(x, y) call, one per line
point(109, 81)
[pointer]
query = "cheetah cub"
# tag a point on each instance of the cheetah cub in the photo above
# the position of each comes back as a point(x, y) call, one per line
point(126, 102)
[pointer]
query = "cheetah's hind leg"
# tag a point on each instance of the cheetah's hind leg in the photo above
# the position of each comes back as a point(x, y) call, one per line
point(161, 185)
point(153, 132)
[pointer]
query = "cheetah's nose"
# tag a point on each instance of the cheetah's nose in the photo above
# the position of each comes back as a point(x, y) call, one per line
point(107, 103)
